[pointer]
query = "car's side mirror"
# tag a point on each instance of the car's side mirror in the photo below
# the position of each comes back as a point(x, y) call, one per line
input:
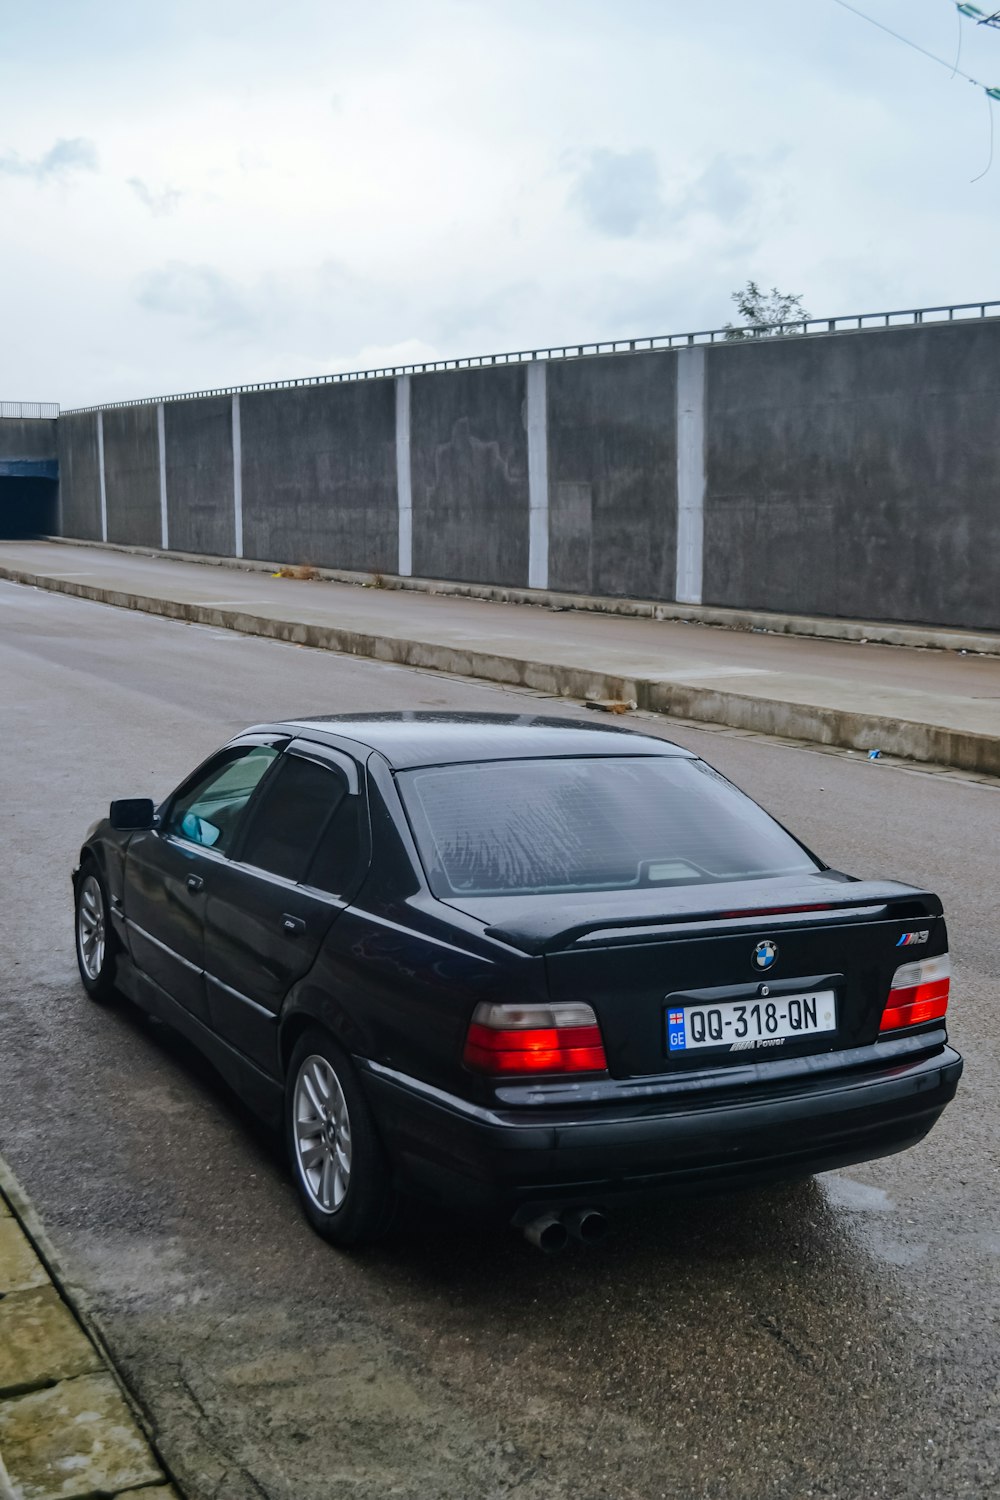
point(132, 813)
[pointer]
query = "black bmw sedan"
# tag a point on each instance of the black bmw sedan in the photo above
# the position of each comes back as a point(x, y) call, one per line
point(517, 963)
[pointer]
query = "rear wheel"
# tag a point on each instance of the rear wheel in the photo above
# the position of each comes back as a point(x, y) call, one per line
point(339, 1165)
point(94, 938)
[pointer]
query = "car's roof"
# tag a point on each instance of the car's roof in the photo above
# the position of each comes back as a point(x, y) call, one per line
point(421, 738)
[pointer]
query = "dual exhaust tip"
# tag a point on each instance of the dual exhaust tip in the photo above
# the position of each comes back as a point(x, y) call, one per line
point(552, 1231)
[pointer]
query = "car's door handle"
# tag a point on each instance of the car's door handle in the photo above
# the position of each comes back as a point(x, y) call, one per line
point(293, 925)
point(195, 883)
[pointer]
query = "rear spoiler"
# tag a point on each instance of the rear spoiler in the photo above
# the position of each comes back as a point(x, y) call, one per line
point(869, 901)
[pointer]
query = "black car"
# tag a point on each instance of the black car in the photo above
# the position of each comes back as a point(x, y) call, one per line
point(517, 963)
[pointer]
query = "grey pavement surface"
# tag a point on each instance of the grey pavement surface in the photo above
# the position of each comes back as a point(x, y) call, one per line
point(931, 705)
point(773, 621)
point(838, 1338)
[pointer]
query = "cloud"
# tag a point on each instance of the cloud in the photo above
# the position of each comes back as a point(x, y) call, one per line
point(618, 192)
point(386, 356)
point(75, 155)
point(200, 293)
point(158, 203)
point(299, 317)
point(464, 315)
point(724, 188)
point(638, 207)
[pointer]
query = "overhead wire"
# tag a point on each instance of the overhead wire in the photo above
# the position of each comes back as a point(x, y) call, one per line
point(973, 13)
point(993, 92)
point(989, 106)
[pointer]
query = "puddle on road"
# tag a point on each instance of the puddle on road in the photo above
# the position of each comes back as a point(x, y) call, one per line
point(844, 1192)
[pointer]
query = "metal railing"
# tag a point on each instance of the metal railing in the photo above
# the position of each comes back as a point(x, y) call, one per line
point(810, 327)
point(29, 408)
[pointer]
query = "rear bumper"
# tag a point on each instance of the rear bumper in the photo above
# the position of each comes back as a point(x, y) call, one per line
point(460, 1153)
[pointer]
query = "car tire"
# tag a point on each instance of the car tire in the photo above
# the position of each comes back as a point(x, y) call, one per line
point(338, 1163)
point(96, 944)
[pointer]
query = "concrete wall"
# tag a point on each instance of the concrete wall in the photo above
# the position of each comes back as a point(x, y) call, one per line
point(28, 437)
point(469, 475)
point(613, 475)
point(855, 474)
point(319, 475)
point(199, 475)
point(132, 475)
point(79, 476)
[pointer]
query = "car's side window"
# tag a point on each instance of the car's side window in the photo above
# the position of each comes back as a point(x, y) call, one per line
point(209, 812)
point(334, 866)
point(294, 815)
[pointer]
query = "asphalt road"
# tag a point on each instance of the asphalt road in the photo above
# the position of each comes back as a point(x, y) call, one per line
point(837, 1338)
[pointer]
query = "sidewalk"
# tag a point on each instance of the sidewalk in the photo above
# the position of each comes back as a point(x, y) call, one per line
point(927, 705)
point(66, 1430)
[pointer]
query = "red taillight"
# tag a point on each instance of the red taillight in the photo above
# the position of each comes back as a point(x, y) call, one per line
point(512, 1039)
point(919, 993)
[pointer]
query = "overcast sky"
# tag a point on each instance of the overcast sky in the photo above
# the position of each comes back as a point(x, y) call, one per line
point(212, 193)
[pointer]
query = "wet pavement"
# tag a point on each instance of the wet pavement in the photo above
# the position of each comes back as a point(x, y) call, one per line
point(834, 1338)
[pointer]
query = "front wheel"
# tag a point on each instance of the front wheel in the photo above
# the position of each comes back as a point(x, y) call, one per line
point(339, 1166)
point(94, 937)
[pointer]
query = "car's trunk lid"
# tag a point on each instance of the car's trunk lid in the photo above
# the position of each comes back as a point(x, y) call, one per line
point(817, 944)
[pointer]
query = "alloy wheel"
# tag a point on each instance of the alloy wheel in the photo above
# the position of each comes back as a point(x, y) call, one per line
point(90, 927)
point(322, 1134)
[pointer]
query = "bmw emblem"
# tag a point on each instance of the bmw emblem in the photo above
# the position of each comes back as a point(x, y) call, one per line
point(765, 955)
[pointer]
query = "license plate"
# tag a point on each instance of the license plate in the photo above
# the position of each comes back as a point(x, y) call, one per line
point(746, 1025)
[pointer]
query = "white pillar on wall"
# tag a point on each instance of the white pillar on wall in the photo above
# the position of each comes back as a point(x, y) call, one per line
point(404, 481)
point(538, 475)
point(100, 476)
point(237, 480)
point(690, 474)
point(161, 438)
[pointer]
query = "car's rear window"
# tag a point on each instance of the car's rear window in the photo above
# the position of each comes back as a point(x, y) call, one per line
point(545, 826)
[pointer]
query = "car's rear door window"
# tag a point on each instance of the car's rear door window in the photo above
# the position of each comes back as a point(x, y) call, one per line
point(337, 862)
point(294, 815)
point(549, 826)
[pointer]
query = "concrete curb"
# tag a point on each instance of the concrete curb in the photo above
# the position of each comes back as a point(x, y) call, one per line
point(936, 744)
point(963, 749)
point(872, 632)
point(75, 1299)
point(27, 1216)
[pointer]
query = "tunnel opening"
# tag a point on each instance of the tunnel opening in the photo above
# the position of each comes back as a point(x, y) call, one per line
point(28, 507)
